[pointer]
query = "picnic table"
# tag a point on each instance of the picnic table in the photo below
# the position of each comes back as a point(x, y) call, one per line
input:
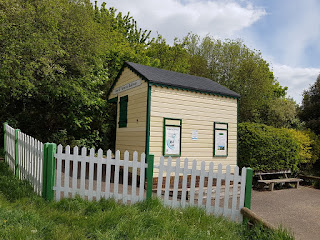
point(276, 177)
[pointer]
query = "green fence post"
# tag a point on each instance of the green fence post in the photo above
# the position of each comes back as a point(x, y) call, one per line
point(5, 141)
point(44, 170)
point(49, 167)
point(150, 161)
point(16, 152)
point(247, 199)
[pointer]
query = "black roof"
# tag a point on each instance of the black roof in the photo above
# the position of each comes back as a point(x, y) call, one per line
point(178, 80)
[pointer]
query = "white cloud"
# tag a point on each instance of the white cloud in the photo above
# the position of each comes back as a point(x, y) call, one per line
point(175, 18)
point(296, 79)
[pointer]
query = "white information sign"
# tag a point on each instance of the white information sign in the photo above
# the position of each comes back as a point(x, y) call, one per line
point(127, 87)
point(195, 135)
point(172, 140)
point(221, 139)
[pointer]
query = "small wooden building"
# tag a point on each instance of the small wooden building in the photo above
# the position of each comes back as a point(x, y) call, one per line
point(168, 113)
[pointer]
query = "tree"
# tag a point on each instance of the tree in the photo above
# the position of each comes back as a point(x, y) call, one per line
point(309, 111)
point(232, 64)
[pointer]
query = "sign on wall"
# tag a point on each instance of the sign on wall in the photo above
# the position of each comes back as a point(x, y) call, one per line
point(172, 137)
point(127, 87)
point(220, 139)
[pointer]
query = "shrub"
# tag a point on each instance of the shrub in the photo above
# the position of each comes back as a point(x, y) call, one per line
point(266, 148)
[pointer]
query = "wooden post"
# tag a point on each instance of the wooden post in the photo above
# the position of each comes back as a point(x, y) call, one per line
point(5, 141)
point(150, 161)
point(49, 166)
point(16, 152)
point(247, 200)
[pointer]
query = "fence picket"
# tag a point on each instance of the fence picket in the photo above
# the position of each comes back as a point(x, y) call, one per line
point(116, 176)
point(201, 184)
point(209, 191)
point(66, 173)
point(143, 166)
point(99, 174)
point(218, 190)
point(174, 202)
point(125, 177)
point(227, 191)
point(134, 178)
point(59, 164)
point(184, 183)
point(235, 193)
point(167, 186)
point(83, 169)
point(108, 175)
point(193, 181)
point(75, 173)
point(91, 172)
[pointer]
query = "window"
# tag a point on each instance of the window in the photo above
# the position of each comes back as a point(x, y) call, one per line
point(220, 139)
point(172, 137)
point(123, 112)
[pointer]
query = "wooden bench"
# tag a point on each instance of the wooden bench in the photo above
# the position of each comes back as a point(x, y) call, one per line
point(276, 177)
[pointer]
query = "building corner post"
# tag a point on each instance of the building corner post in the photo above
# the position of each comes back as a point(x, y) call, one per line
point(247, 199)
point(150, 160)
point(49, 167)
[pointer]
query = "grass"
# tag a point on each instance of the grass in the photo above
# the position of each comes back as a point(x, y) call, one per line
point(23, 215)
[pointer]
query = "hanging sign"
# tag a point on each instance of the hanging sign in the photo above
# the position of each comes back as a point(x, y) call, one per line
point(172, 140)
point(127, 87)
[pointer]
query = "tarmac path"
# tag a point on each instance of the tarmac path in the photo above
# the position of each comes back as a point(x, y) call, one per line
point(297, 210)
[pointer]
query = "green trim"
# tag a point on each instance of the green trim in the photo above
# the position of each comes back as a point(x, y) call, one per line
point(16, 152)
point(150, 161)
point(164, 136)
point(148, 121)
point(113, 100)
point(123, 112)
point(5, 141)
point(214, 138)
point(49, 166)
point(192, 90)
point(247, 198)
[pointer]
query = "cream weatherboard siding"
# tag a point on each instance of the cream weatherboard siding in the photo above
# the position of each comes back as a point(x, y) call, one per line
point(133, 137)
point(198, 112)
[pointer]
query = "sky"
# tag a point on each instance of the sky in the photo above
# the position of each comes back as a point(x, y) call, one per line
point(287, 32)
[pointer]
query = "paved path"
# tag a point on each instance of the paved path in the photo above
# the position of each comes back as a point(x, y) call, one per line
point(297, 210)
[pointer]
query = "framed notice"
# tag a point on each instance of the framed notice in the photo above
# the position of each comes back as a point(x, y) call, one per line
point(220, 139)
point(172, 137)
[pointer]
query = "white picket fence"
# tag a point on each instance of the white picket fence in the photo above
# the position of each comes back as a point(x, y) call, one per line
point(30, 160)
point(10, 146)
point(30, 157)
point(226, 200)
point(80, 174)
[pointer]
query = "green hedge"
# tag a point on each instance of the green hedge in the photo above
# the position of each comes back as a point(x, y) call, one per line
point(266, 148)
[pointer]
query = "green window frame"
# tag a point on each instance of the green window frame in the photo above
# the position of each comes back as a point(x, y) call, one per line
point(176, 130)
point(220, 129)
point(123, 112)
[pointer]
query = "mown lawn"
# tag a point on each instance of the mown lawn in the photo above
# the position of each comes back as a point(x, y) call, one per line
point(23, 215)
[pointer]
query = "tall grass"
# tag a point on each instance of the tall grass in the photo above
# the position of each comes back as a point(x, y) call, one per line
point(23, 215)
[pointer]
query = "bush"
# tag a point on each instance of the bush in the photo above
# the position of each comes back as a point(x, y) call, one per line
point(266, 148)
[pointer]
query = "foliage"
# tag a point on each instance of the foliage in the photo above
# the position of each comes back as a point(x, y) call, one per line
point(57, 59)
point(308, 146)
point(309, 111)
point(34, 218)
point(232, 64)
point(266, 148)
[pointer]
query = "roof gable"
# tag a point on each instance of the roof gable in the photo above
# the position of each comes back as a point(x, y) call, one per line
point(161, 77)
